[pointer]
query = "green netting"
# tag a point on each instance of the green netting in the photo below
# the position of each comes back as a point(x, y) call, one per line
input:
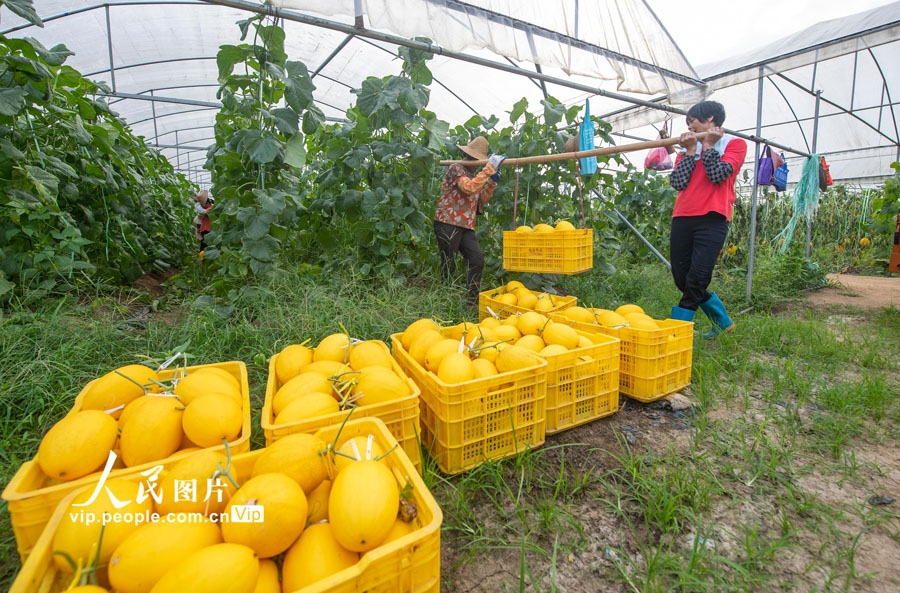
point(805, 200)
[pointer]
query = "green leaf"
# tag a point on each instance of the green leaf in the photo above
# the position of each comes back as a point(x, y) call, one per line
point(437, 133)
point(25, 9)
point(473, 122)
point(54, 56)
point(46, 184)
point(298, 91)
point(370, 96)
point(286, 120)
point(9, 149)
point(258, 227)
point(262, 150)
point(313, 118)
point(553, 114)
point(295, 151)
point(5, 286)
point(11, 100)
point(228, 56)
point(82, 136)
point(265, 249)
point(518, 109)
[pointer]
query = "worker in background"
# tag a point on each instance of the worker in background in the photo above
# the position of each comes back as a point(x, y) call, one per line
point(463, 195)
point(704, 175)
point(202, 203)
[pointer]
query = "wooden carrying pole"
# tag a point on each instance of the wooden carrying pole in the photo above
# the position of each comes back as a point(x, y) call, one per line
point(568, 156)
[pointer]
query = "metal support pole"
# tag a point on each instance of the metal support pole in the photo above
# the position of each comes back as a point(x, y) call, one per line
point(753, 200)
point(636, 232)
point(153, 109)
point(814, 142)
point(177, 150)
point(112, 68)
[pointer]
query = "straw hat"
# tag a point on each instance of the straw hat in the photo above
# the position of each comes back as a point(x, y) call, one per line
point(477, 148)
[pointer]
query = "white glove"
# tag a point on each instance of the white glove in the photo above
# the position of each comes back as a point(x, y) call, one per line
point(496, 159)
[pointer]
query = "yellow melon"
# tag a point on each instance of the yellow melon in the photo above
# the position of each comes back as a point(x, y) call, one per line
point(376, 385)
point(132, 406)
point(512, 320)
point(79, 529)
point(77, 445)
point(564, 225)
point(285, 510)
point(438, 351)
point(578, 314)
point(335, 347)
point(508, 300)
point(531, 342)
point(200, 466)
point(315, 556)
point(359, 448)
point(636, 315)
point(526, 300)
point(152, 432)
point(199, 383)
point(317, 501)
point(513, 358)
point(584, 341)
point(532, 323)
point(544, 304)
point(289, 361)
point(209, 419)
point(512, 285)
point(228, 377)
point(267, 580)
point(629, 308)
point(455, 368)
point(298, 456)
point(152, 549)
point(642, 323)
point(422, 343)
point(482, 367)
point(222, 568)
point(329, 368)
point(371, 353)
point(562, 334)
point(552, 350)
point(524, 229)
point(363, 505)
point(414, 329)
point(400, 529)
point(298, 387)
point(490, 323)
point(611, 319)
point(488, 351)
point(113, 389)
point(507, 332)
point(310, 405)
point(543, 228)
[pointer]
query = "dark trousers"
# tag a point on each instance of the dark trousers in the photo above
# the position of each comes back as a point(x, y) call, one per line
point(694, 246)
point(452, 239)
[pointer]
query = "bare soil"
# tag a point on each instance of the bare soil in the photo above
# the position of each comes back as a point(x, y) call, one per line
point(865, 292)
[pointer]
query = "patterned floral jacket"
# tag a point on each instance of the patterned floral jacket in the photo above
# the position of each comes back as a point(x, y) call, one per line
point(462, 196)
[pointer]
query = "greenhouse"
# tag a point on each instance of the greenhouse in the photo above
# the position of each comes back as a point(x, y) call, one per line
point(241, 352)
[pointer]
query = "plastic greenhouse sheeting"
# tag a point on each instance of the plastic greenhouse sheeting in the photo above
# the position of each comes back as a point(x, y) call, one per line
point(167, 49)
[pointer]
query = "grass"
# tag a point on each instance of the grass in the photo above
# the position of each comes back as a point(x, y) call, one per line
point(767, 488)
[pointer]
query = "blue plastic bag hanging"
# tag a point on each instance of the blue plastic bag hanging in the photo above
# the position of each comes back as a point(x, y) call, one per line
point(588, 164)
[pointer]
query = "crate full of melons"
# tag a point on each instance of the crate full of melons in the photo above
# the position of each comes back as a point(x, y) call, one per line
point(656, 354)
point(513, 297)
point(481, 398)
point(544, 249)
point(326, 523)
point(582, 367)
point(309, 388)
point(142, 416)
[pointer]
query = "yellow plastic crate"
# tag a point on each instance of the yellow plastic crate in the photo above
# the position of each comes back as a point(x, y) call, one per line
point(410, 564)
point(401, 415)
point(31, 496)
point(469, 423)
point(583, 384)
point(653, 363)
point(503, 311)
point(559, 252)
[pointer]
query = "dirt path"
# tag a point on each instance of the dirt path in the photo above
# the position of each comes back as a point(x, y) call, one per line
point(865, 292)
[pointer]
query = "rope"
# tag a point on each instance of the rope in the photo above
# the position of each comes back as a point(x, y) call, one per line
point(527, 194)
point(580, 194)
point(515, 199)
point(805, 200)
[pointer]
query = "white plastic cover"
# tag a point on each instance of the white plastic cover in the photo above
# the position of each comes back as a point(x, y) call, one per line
point(170, 47)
